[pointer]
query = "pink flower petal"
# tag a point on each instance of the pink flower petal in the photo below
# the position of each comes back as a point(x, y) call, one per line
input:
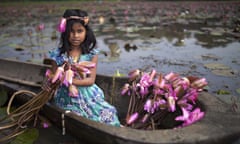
point(62, 25)
point(132, 118)
point(58, 74)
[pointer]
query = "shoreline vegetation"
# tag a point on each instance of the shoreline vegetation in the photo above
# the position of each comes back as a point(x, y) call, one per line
point(100, 1)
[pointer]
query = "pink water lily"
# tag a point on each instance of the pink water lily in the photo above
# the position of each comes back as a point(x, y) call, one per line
point(58, 74)
point(142, 90)
point(184, 116)
point(148, 106)
point(40, 27)
point(195, 115)
point(158, 95)
point(190, 117)
point(48, 73)
point(133, 74)
point(45, 125)
point(152, 106)
point(145, 80)
point(68, 77)
point(171, 76)
point(171, 103)
point(73, 91)
point(159, 82)
point(126, 89)
point(132, 118)
point(184, 82)
point(158, 91)
point(191, 95)
point(145, 117)
point(183, 103)
point(199, 83)
point(152, 75)
point(179, 91)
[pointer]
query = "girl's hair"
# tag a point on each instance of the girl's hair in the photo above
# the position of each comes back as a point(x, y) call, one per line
point(90, 40)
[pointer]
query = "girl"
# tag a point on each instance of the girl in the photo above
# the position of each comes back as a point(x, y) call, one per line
point(77, 44)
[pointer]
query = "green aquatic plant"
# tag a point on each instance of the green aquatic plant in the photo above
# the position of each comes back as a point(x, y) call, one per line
point(28, 137)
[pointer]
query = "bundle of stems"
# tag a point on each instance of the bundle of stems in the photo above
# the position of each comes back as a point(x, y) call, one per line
point(17, 121)
point(146, 120)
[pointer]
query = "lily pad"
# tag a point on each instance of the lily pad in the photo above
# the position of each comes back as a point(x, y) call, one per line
point(220, 69)
point(218, 66)
point(210, 56)
point(216, 33)
point(227, 73)
point(27, 137)
point(238, 90)
point(17, 46)
point(223, 92)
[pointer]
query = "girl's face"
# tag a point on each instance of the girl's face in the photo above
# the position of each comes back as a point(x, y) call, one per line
point(77, 35)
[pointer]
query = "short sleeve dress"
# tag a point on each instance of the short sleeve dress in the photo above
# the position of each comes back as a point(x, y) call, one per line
point(90, 102)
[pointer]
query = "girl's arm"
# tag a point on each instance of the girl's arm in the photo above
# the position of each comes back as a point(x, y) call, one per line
point(90, 80)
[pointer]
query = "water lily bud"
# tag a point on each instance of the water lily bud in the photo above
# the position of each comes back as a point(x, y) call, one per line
point(171, 76)
point(68, 77)
point(171, 103)
point(152, 75)
point(58, 74)
point(179, 91)
point(73, 91)
point(199, 83)
point(148, 105)
point(159, 82)
point(40, 27)
point(49, 74)
point(185, 82)
point(132, 118)
point(125, 89)
point(145, 118)
point(133, 74)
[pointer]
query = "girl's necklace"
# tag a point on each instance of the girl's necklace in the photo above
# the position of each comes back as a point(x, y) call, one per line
point(75, 59)
point(75, 56)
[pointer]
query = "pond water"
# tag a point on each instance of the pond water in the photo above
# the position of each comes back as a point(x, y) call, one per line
point(200, 39)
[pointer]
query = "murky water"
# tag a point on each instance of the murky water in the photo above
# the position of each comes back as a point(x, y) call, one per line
point(138, 37)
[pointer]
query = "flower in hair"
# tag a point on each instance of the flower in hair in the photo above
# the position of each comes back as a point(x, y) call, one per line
point(62, 25)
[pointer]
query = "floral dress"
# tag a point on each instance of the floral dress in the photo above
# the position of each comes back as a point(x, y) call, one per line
point(90, 101)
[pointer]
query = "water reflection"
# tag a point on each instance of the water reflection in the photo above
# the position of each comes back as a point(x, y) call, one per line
point(165, 36)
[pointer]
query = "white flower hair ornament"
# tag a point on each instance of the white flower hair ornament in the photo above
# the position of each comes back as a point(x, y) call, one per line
point(63, 22)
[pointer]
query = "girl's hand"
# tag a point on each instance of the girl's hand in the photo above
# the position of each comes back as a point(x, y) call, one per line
point(87, 71)
point(86, 64)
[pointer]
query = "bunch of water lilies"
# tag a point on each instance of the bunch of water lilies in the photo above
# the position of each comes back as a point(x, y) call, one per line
point(66, 72)
point(160, 101)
